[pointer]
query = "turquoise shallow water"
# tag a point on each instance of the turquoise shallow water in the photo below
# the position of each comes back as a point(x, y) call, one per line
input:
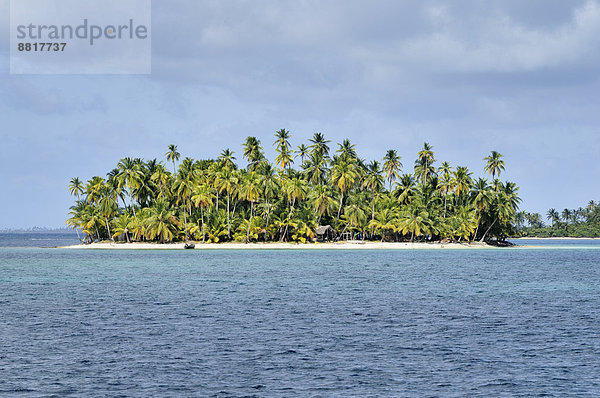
point(300, 323)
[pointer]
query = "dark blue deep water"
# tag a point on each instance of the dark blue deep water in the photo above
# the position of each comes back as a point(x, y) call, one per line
point(444, 323)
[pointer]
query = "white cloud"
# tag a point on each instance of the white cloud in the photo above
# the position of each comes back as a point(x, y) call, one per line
point(496, 43)
point(466, 76)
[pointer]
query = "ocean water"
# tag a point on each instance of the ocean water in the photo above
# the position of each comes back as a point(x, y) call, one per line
point(443, 323)
point(38, 239)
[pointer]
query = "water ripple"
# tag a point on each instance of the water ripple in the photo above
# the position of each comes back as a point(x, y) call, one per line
point(298, 324)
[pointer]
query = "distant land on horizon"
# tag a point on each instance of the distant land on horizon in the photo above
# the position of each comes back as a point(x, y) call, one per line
point(61, 230)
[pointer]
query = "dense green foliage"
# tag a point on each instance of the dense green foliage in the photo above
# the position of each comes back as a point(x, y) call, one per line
point(578, 223)
point(216, 201)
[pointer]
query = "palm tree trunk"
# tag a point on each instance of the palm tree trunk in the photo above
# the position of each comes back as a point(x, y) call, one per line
point(202, 218)
point(228, 226)
point(133, 207)
point(373, 209)
point(288, 221)
point(249, 222)
point(488, 230)
point(108, 228)
point(445, 198)
point(477, 228)
point(340, 207)
point(185, 222)
point(268, 215)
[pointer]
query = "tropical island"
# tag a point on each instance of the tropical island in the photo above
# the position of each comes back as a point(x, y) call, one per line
point(334, 195)
point(583, 222)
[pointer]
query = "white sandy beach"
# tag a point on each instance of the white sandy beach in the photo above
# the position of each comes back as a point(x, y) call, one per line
point(352, 245)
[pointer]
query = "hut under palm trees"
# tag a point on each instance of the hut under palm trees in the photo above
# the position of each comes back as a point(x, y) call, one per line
point(325, 233)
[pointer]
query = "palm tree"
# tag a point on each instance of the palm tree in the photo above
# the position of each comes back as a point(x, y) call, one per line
point(343, 176)
point(76, 213)
point(319, 145)
point(86, 217)
point(461, 180)
point(108, 206)
point(282, 138)
point(578, 215)
point(414, 220)
point(405, 189)
point(285, 157)
point(253, 152)
point(446, 182)
point(250, 191)
point(534, 219)
point(373, 182)
point(465, 223)
point(315, 168)
point(510, 196)
point(226, 157)
point(202, 197)
point(384, 221)
point(566, 215)
point(269, 186)
point(346, 150)
point(228, 181)
point(391, 166)
point(130, 176)
point(322, 200)
point(481, 198)
point(295, 189)
point(92, 189)
point(445, 169)
point(424, 161)
point(519, 219)
point(184, 188)
point(591, 206)
point(76, 187)
point(354, 217)
point(504, 209)
point(173, 155)
point(161, 222)
point(302, 152)
point(552, 216)
point(122, 226)
point(495, 164)
point(162, 180)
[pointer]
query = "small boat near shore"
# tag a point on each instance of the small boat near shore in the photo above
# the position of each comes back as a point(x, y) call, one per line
point(189, 246)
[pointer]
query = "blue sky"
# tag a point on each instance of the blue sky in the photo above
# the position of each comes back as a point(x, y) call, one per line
point(467, 77)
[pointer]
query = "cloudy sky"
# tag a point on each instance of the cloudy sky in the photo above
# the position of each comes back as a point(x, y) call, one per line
point(518, 77)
